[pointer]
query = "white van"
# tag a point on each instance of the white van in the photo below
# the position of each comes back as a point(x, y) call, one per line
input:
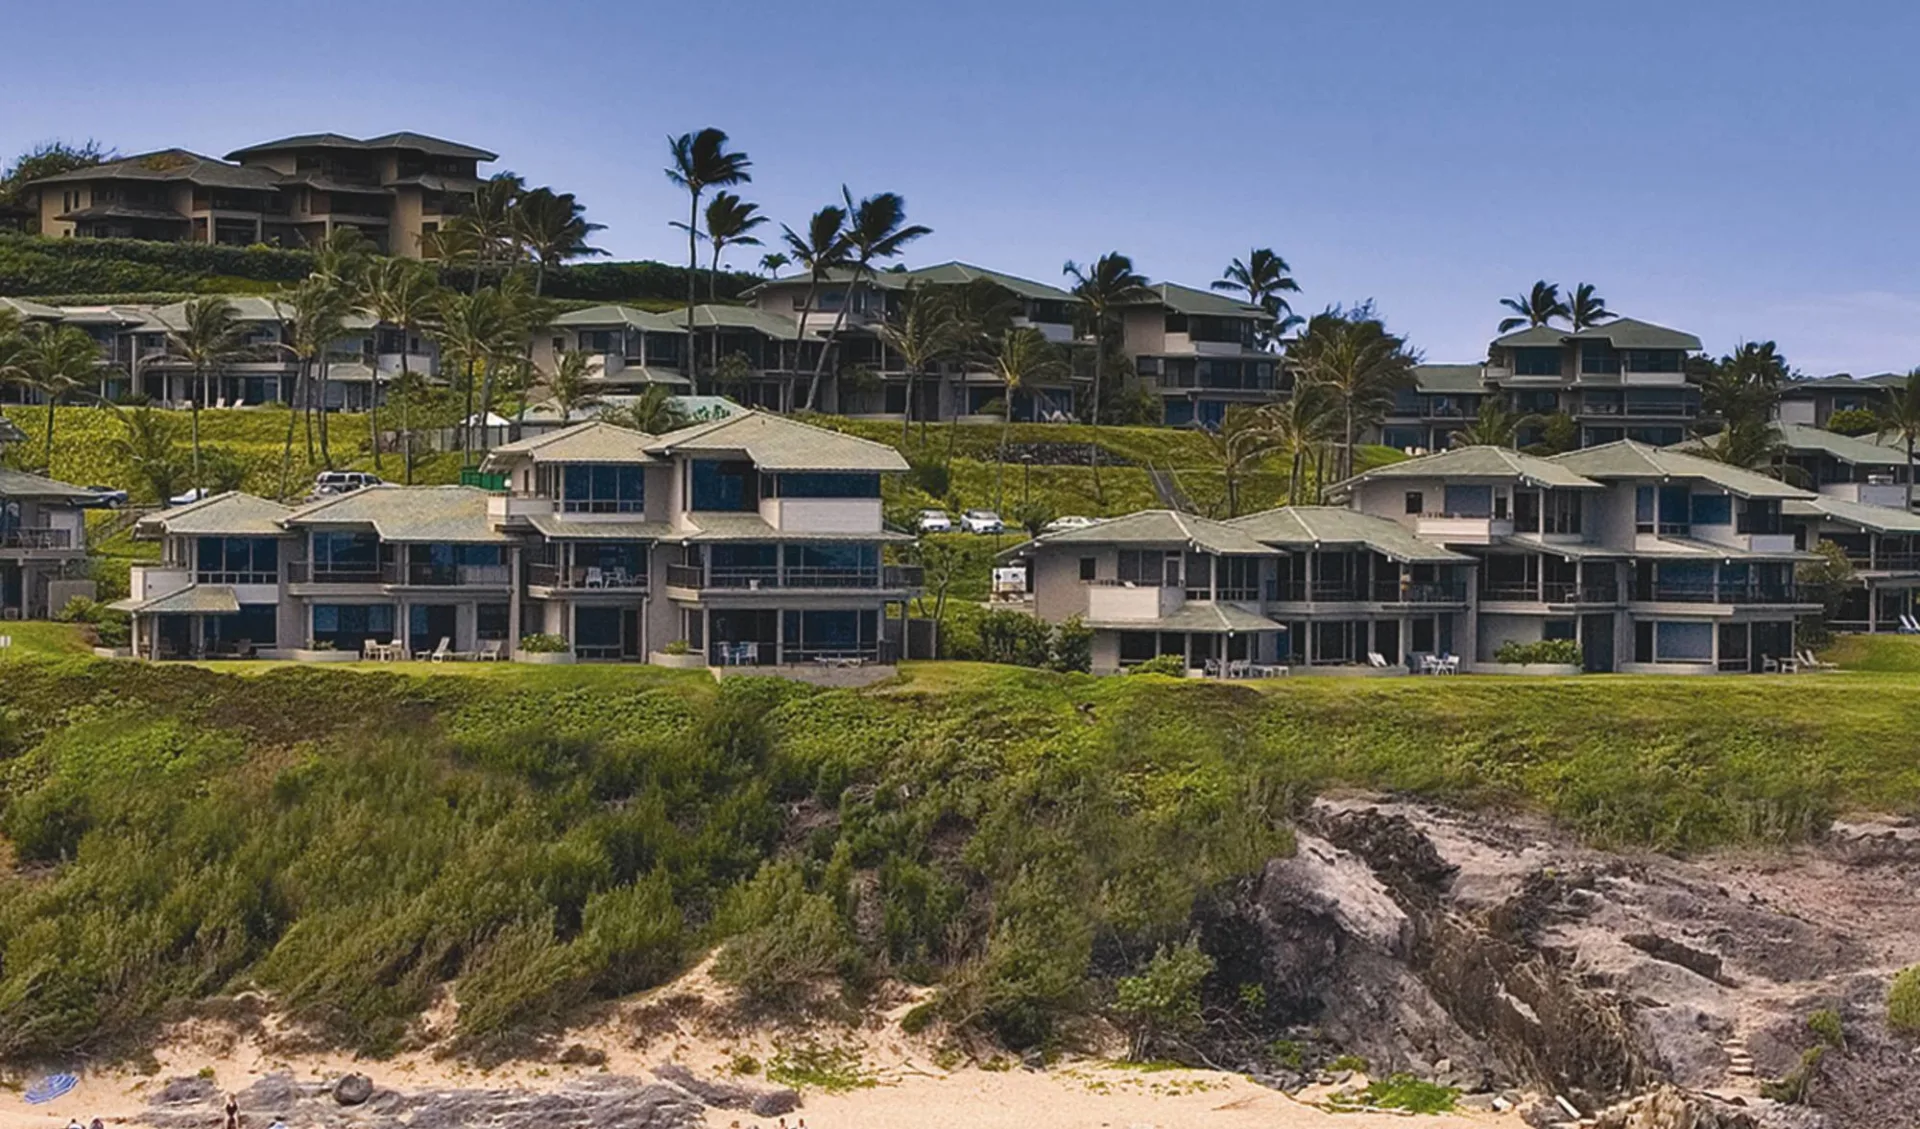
point(330, 482)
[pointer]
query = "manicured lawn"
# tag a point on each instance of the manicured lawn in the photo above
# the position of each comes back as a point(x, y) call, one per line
point(37, 637)
point(1882, 653)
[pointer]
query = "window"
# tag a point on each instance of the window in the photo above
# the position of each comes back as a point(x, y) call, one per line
point(1138, 647)
point(1526, 511)
point(238, 560)
point(1760, 515)
point(1469, 501)
point(824, 485)
point(349, 626)
point(1676, 509)
point(1712, 509)
point(603, 489)
point(1563, 511)
point(721, 485)
point(346, 553)
point(1416, 502)
point(1557, 629)
point(1643, 509)
point(1536, 362)
point(1154, 567)
point(490, 621)
point(1237, 578)
point(1087, 568)
point(1598, 357)
point(1676, 642)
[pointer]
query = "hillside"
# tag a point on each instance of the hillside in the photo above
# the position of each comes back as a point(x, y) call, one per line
point(346, 841)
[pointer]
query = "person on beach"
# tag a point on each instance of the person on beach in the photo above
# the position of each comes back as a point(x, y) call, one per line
point(233, 1112)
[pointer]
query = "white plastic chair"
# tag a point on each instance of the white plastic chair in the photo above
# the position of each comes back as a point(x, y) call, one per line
point(1376, 660)
point(596, 578)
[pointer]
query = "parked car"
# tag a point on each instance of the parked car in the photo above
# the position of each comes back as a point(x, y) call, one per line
point(1070, 522)
point(189, 497)
point(982, 521)
point(934, 521)
point(104, 497)
point(330, 482)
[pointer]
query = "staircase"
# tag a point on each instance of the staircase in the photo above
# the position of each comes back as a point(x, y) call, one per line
point(1167, 487)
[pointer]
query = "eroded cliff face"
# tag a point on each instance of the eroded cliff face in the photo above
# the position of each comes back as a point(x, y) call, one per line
point(1494, 952)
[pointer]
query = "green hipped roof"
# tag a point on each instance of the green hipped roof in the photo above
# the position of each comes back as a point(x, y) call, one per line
point(620, 315)
point(194, 599)
point(1844, 382)
point(170, 165)
point(727, 525)
point(1315, 526)
point(408, 142)
point(958, 273)
point(20, 484)
point(738, 317)
point(1163, 528)
point(566, 529)
point(1201, 616)
point(1204, 303)
point(1448, 378)
point(1624, 333)
point(1860, 450)
point(408, 513)
point(232, 514)
point(1482, 462)
point(589, 442)
point(30, 311)
point(1879, 519)
point(775, 443)
point(1627, 459)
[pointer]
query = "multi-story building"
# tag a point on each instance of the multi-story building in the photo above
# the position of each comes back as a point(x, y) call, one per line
point(755, 540)
point(1626, 379)
point(1652, 560)
point(43, 542)
point(396, 190)
point(1813, 402)
point(1850, 468)
point(1199, 353)
point(1883, 545)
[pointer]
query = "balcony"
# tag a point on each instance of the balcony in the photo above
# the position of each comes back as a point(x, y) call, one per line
point(886, 577)
point(1120, 600)
point(398, 574)
point(1551, 592)
point(585, 579)
point(1462, 530)
point(1885, 562)
point(1668, 593)
point(43, 539)
point(1385, 592)
point(1892, 495)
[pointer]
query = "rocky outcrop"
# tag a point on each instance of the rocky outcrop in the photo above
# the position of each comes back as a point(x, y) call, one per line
point(1499, 953)
point(597, 1103)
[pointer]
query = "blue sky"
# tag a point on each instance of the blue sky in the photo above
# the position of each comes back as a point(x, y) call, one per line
point(1741, 170)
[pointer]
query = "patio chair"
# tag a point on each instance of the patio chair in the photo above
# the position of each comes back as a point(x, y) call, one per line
point(596, 578)
point(1214, 669)
point(1811, 661)
point(440, 653)
point(1770, 664)
point(1909, 625)
point(492, 651)
point(1377, 660)
point(1449, 664)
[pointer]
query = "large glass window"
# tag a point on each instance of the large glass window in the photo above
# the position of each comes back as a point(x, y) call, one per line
point(1677, 642)
point(258, 624)
point(238, 560)
point(831, 563)
point(1598, 358)
point(346, 554)
point(1536, 361)
point(1469, 501)
point(1151, 567)
point(1712, 509)
point(348, 627)
point(824, 485)
point(603, 489)
point(1676, 509)
point(719, 485)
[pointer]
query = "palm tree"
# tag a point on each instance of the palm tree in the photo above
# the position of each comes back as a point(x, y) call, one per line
point(1244, 437)
point(210, 336)
point(700, 162)
point(1024, 357)
point(1587, 309)
point(1103, 288)
point(1350, 354)
point(821, 251)
point(1744, 384)
point(1751, 444)
point(56, 360)
point(877, 229)
point(922, 331)
point(476, 331)
point(1263, 277)
point(771, 262)
point(1900, 415)
point(652, 412)
point(401, 293)
point(571, 384)
point(1302, 424)
point(1536, 307)
point(318, 312)
point(1494, 426)
point(730, 223)
point(486, 230)
point(551, 227)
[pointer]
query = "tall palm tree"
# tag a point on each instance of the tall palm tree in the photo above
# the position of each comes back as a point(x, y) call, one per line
point(701, 161)
point(653, 412)
point(1301, 425)
point(822, 250)
point(1587, 309)
point(1105, 286)
point(401, 293)
point(487, 227)
point(1024, 357)
point(877, 229)
point(1751, 444)
point(1900, 415)
point(1744, 384)
point(1350, 354)
point(1244, 437)
point(571, 384)
point(730, 223)
point(1538, 306)
point(1494, 426)
point(551, 227)
point(211, 336)
point(771, 262)
point(922, 331)
point(983, 311)
point(477, 331)
point(58, 359)
point(1264, 278)
point(317, 312)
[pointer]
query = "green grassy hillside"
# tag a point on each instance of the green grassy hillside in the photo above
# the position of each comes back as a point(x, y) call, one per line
point(349, 841)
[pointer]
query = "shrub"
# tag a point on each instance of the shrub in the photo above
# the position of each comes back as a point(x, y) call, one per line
point(785, 938)
point(1903, 1002)
point(1853, 421)
point(634, 932)
point(931, 478)
point(1561, 652)
point(1175, 665)
point(1404, 1091)
point(677, 647)
point(1164, 999)
point(1007, 636)
point(544, 644)
point(1826, 1024)
point(1033, 516)
point(1072, 646)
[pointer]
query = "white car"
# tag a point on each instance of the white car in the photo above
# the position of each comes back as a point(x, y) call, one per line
point(982, 521)
point(934, 521)
point(1069, 523)
point(331, 482)
point(189, 497)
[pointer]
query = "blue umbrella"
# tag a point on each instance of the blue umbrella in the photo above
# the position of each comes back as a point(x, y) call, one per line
point(51, 1087)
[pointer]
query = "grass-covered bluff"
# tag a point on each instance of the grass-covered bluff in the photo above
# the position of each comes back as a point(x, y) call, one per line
point(350, 841)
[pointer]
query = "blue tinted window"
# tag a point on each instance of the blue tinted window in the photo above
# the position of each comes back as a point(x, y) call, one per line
point(1712, 509)
point(829, 485)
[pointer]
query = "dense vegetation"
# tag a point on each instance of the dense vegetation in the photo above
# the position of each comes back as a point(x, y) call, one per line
point(350, 841)
point(130, 269)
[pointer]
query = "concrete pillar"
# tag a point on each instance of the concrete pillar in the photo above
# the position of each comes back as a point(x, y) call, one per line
point(513, 599)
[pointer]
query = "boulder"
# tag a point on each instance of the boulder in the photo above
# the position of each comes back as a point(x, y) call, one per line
point(353, 1089)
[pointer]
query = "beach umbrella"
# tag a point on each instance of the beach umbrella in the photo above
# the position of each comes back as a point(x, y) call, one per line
point(51, 1087)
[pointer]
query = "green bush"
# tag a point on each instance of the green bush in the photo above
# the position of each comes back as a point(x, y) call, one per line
point(541, 644)
point(1854, 421)
point(785, 938)
point(677, 647)
point(1072, 646)
point(1164, 999)
point(1404, 1091)
point(1175, 665)
point(1563, 652)
point(1903, 1002)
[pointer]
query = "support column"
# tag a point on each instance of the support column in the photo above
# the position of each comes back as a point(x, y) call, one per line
point(513, 600)
point(780, 637)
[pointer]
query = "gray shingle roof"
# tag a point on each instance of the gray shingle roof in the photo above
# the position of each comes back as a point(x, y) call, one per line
point(1203, 617)
point(589, 442)
point(1482, 462)
point(1859, 450)
point(775, 443)
point(412, 142)
point(170, 165)
point(1300, 527)
point(1627, 459)
point(407, 513)
point(609, 315)
point(194, 599)
point(232, 514)
point(1163, 528)
point(1879, 519)
point(1624, 333)
point(1448, 378)
point(563, 529)
point(20, 484)
point(716, 525)
point(1204, 303)
point(958, 273)
point(30, 311)
point(1689, 548)
point(721, 316)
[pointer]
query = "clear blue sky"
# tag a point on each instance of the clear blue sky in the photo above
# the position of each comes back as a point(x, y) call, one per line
point(1742, 170)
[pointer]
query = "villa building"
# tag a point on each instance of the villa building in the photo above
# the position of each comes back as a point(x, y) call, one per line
point(396, 190)
point(43, 542)
point(754, 540)
point(1650, 560)
point(1199, 353)
point(1813, 402)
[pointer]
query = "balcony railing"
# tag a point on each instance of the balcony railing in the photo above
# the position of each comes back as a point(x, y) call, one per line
point(1551, 592)
point(394, 572)
point(1886, 562)
point(205, 576)
point(1339, 591)
point(1668, 593)
point(887, 576)
point(36, 538)
point(580, 578)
